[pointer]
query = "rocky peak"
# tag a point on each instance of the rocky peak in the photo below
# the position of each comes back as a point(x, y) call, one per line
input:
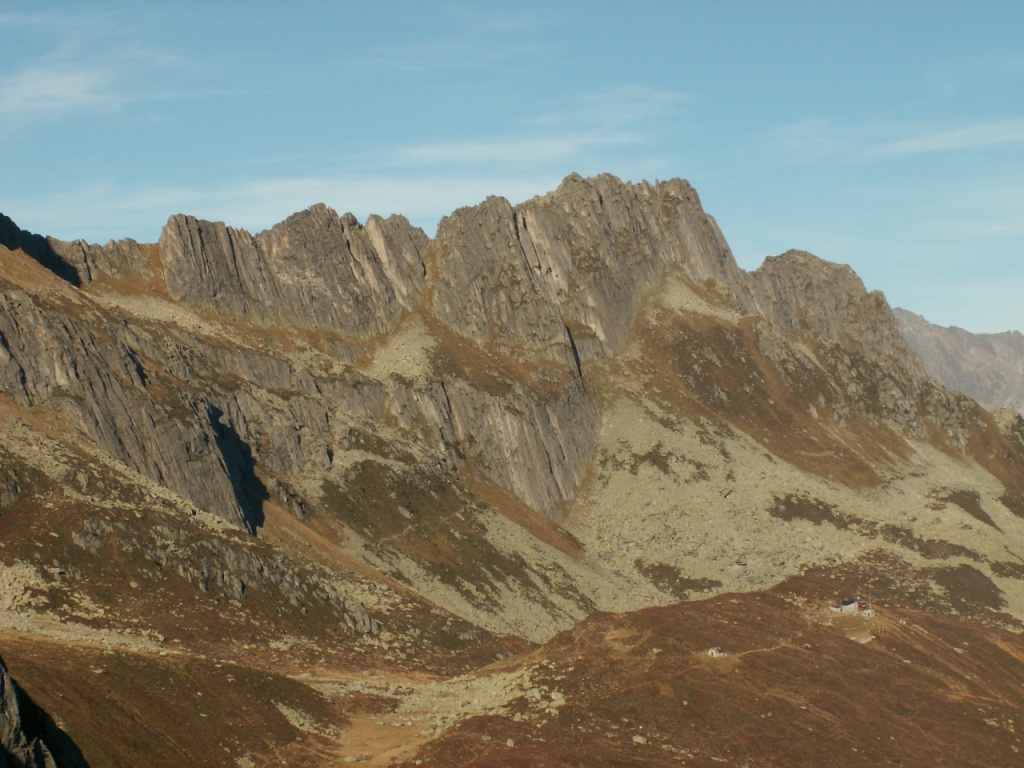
point(804, 295)
point(487, 289)
point(574, 265)
point(315, 270)
point(561, 278)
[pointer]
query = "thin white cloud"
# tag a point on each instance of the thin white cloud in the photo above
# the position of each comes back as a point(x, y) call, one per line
point(477, 18)
point(627, 103)
point(974, 136)
point(78, 64)
point(422, 181)
point(54, 22)
point(140, 212)
point(465, 51)
point(620, 116)
point(532, 151)
point(421, 199)
point(476, 37)
point(57, 90)
point(989, 208)
point(817, 138)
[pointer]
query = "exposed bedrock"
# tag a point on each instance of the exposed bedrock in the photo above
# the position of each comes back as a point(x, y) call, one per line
point(573, 266)
point(515, 302)
point(82, 369)
point(315, 270)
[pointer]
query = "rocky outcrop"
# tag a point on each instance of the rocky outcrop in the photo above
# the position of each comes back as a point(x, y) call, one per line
point(90, 262)
point(80, 364)
point(987, 366)
point(537, 450)
point(315, 270)
point(29, 738)
point(487, 290)
point(77, 262)
point(564, 274)
point(808, 297)
point(10, 489)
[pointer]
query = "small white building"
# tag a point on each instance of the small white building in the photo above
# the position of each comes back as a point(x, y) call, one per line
point(855, 606)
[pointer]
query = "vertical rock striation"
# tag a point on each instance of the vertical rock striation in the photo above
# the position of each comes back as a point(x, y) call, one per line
point(570, 269)
point(81, 364)
point(315, 270)
point(516, 302)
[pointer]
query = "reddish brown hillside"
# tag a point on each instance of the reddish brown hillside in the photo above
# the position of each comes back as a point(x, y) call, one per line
point(798, 685)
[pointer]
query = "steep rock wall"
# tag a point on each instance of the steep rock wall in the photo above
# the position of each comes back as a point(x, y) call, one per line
point(315, 270)
point(577, 261)
point(75, 361)
point(534, 291)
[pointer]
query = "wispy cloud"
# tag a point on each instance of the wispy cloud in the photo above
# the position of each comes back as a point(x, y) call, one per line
point(438, 56)
point(476, 18)
point(981, 211)
point(815, 138)
point(57, 89)
point(515, 152)
point(818, 138)
point(72, 65)
point(973, 136)
point(473, 40)
point(560, 135)
point(423, 181)
point(620, 104)
point(475, 36)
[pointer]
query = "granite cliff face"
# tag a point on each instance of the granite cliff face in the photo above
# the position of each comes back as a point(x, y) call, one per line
point(988, 367)
point(87, 368)
point(565, 274)
point(333, 442)
point(315, 271)
point(842, 312)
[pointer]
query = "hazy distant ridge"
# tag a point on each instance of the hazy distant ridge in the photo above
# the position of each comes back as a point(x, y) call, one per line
point(987, 366)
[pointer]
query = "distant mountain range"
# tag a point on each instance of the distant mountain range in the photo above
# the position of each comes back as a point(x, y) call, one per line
point(987, 366)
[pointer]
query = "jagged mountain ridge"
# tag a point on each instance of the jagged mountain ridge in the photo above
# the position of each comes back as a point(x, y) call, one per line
point(577, 403)
point(986, 366)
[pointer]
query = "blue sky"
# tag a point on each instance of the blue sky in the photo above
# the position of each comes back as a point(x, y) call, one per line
point(889, 136)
